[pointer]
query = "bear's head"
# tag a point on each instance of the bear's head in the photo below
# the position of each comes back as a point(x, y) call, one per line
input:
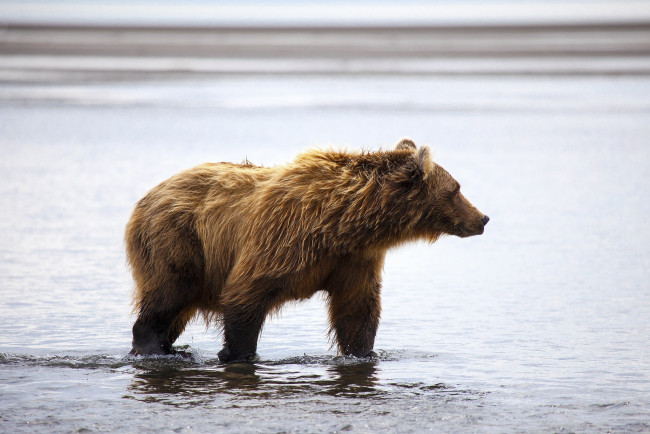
point(443, 208)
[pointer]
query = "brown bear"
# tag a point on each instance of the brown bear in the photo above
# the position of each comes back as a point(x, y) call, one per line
point(235, 242)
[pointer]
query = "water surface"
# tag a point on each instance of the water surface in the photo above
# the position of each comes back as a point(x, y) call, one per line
point(541, 324)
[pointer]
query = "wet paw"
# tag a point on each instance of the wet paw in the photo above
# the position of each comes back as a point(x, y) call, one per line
point(150, 351)
point(226, 357)
point(183, 354)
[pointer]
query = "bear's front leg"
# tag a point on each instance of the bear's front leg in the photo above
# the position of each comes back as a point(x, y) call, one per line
point(355, 324)
point(355, 306)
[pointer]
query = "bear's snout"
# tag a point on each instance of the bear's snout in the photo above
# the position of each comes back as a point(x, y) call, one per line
point(471, 225)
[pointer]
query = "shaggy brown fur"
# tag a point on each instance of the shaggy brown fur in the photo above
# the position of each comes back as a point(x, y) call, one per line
point(235, 242)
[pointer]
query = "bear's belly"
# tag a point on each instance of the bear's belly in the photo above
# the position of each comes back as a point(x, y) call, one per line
point(305, 284)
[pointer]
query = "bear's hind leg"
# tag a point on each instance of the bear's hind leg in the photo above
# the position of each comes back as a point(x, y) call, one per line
point(241, 332)
point(161, 320)
point(150, 334)
point(245, 307)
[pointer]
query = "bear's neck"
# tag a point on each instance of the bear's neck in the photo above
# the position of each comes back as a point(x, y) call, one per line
point(316, 216)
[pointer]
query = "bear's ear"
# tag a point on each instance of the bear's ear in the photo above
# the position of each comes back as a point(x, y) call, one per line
point(424, 161)
point(405, 144)
point(414, 167)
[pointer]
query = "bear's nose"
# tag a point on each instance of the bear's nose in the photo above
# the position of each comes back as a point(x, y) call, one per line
point(485, 220)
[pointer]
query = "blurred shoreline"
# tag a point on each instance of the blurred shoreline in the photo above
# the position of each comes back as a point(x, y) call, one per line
point(51, 52)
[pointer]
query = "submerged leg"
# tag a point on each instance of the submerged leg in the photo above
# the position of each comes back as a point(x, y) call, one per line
point(162, 317)
point(245, 307)
point(150, 334)
point(241, 331)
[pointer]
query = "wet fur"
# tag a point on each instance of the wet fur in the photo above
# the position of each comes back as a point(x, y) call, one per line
point(235, 242)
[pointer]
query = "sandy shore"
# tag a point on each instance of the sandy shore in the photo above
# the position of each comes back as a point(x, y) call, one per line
point(55, 52)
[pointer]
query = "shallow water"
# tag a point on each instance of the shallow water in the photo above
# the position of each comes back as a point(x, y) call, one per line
point(541, 324)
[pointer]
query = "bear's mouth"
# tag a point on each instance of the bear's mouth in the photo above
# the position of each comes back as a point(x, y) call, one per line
point(464, 232)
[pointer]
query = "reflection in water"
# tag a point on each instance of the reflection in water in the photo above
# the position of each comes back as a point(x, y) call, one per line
point(354, 380)
point(182, 383)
